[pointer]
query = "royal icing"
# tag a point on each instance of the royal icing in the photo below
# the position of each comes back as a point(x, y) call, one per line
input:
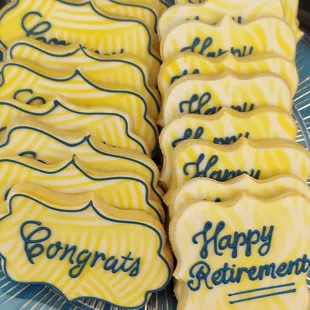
point(191, 63)
point(199, 189)
point(28, 137)
point(212, 11)
point(229, 36)
point(259, 159)
point(225, 127)
point(124, 190)
point(290, 9)
point(63, 23)
point(120, 69)
point(63, 115)
point(158, 6)
point(121, 258)
point(232, 254)
point(138, 12)
point(207, 94)
point(33, 84)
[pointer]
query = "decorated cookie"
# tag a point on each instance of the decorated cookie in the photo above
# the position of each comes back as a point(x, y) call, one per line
point(229, 36)
point(212, 11)
point(28, 137)
point(191, 63)
point(225, 127)
point(137, 12)
point(207, 94)
point(211, 190)
point(231, 255)
point(120, 69)
point(158, 6)
point(63, 23)
point(34, 84)
point(124, 190)
point(63, 115)
point(290, 10)
point(121, 255)
point(259, 159)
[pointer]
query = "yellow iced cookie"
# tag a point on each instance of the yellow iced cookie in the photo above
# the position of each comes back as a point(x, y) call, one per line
point(212, 11)
point(290, 9)
point(137, 12)
point(63, 23)
point(98, 251)
point(33, 84)
point(224, 127)
point(259, 159)
point(28, 137)
point(191, 63)
point(107, 125)
point(207, 189)
point(124, 190)
point(231, 255)
point(207, 94)
point(120, 69)
point(275, 36)
point(158, 6)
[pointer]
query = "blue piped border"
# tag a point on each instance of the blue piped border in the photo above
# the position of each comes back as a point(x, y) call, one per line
point(11, 6)
point(73, 163)
point(91, 205)
point(84, 50)
point(86, 139)
point(80, 74)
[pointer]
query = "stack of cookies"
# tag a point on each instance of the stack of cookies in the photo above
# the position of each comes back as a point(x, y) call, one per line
point(237, 195)
point(81, 207)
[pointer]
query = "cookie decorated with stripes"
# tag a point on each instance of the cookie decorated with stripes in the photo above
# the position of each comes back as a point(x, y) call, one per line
point(231, 255)
point(231, 37)
point(259, 159)
point(98, 251)
point(34, 84)
point(224, 128)
point(200, 189)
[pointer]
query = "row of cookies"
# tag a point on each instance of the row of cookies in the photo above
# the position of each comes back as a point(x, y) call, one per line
point(235, 178)
point(78, 113)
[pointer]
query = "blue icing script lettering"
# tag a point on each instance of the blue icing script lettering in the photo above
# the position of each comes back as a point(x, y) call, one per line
point(189, 133)
point(34, 247)
point(23, 94)
point(218, 175)
point(201, 272)
point(198, 105)
point(202, 48)
point(185, 72)
point(39, 29)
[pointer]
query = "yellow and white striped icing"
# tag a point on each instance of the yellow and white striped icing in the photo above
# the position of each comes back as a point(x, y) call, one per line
point(124, 190)
point(206, 93)
point(113, 232)
point(123, 70)
point(290, 9)
point(142, 13)
point(212, 11)
point(207, 189)
point(266, 35)
point(158, 6)
point(224, 127)
point(289, 214)
point(192, 63)
point(270, 158)
point(78, 23)
point(75, 87)
point(27, 136)
point(108, 125)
